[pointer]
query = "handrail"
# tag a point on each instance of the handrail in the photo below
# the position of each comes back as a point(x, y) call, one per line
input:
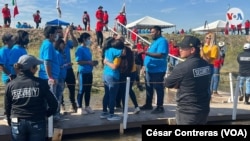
point(138, 36)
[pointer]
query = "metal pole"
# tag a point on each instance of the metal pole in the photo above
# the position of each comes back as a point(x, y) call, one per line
point(50, 127)
point(125, 113)
point(231, 86)
point(235, 101)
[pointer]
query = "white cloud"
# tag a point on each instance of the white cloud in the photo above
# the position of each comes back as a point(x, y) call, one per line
point(167, 10)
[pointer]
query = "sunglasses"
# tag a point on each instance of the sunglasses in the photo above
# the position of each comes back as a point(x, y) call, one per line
point(208, 38)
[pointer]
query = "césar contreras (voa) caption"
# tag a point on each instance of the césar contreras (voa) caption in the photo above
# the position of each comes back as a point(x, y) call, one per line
point(199, 131)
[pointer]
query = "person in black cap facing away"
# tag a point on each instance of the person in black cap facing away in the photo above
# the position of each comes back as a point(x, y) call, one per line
point(191, 78)
point(28, 102)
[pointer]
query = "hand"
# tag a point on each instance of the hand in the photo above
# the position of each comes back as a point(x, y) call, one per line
point(94, 62)
point(51, 81)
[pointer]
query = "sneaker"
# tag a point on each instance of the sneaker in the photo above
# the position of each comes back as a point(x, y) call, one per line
point(104, 115)
point(89, 110)
point(216, 94)
point(158, 110)
point(62, 109)
point(113, 117)
point(84, 112)
point(81, 111)
point(146, 107)
point(74, 108)
point(137, 110)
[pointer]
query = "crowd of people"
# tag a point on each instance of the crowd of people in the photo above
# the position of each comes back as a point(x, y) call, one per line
point(196, 78)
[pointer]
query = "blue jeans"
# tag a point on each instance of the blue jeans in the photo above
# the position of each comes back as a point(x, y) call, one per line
point(111, 87)
point(215, 79)
point(173, 61)
point(154, 81)
point(59, 92)
point(247, 80)
point(26, 130)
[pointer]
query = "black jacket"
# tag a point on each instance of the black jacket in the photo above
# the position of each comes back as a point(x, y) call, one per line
point(192, 78)
point(29, 97)
point(244, 63)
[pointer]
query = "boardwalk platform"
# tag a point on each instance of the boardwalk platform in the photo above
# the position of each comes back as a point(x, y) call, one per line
point(73, 123)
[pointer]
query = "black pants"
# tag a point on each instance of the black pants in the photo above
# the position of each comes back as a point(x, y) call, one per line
point(85, 25)
point(71, 83)
point(99, 37)
point(37, 25)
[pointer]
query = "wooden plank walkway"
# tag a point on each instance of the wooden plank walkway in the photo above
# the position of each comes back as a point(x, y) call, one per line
point(73, 123)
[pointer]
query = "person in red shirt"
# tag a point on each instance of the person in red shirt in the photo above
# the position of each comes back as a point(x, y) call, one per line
point(247, 26)
point(99, 35)
point(99, 14)
point(85, 20)
point(218, 63)
point(239, 28)
point(106, 20)
point(140, 50)
point(37, 18)
point(6, 16)
point(174, 51)
point(121, 18)
point(134, 36)
point(233, 28)
point(79, 28)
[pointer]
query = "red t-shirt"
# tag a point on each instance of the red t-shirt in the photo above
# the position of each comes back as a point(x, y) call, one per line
point(36, 18)
point(6, 12)
point(122, 19)
point(133, 35)
point(99, 26)
point(173, 50)
point(141, 47)
point(105, 17)
point(99, 14)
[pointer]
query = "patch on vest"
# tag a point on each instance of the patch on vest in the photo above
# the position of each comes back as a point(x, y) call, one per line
point(244, 58)
point(201, 71)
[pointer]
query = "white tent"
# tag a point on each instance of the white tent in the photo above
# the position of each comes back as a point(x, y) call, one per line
point(216, 26)
point(149, 22)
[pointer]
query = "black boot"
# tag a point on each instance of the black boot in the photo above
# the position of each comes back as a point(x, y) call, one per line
point(241, 94)
point(246, 99)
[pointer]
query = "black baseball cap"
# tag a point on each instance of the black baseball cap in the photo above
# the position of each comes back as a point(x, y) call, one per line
point(189, 41)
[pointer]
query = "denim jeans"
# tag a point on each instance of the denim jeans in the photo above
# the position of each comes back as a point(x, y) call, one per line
point(53, 89)
point(59, 92)
point(26, 130)
point(215, 79)
point(244, 79)
point(111, 87)
point(173, 61)
point(154, 81)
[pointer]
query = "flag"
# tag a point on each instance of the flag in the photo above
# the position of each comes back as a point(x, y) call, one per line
point(58, 8)
point(14, 3)
point(123, 10)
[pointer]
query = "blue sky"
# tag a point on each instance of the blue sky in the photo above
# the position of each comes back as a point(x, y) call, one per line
point(184, 14)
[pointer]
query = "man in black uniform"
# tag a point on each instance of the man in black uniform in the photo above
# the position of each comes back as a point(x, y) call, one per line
point(28, 102)
point(244, 70)
point(191, 78)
